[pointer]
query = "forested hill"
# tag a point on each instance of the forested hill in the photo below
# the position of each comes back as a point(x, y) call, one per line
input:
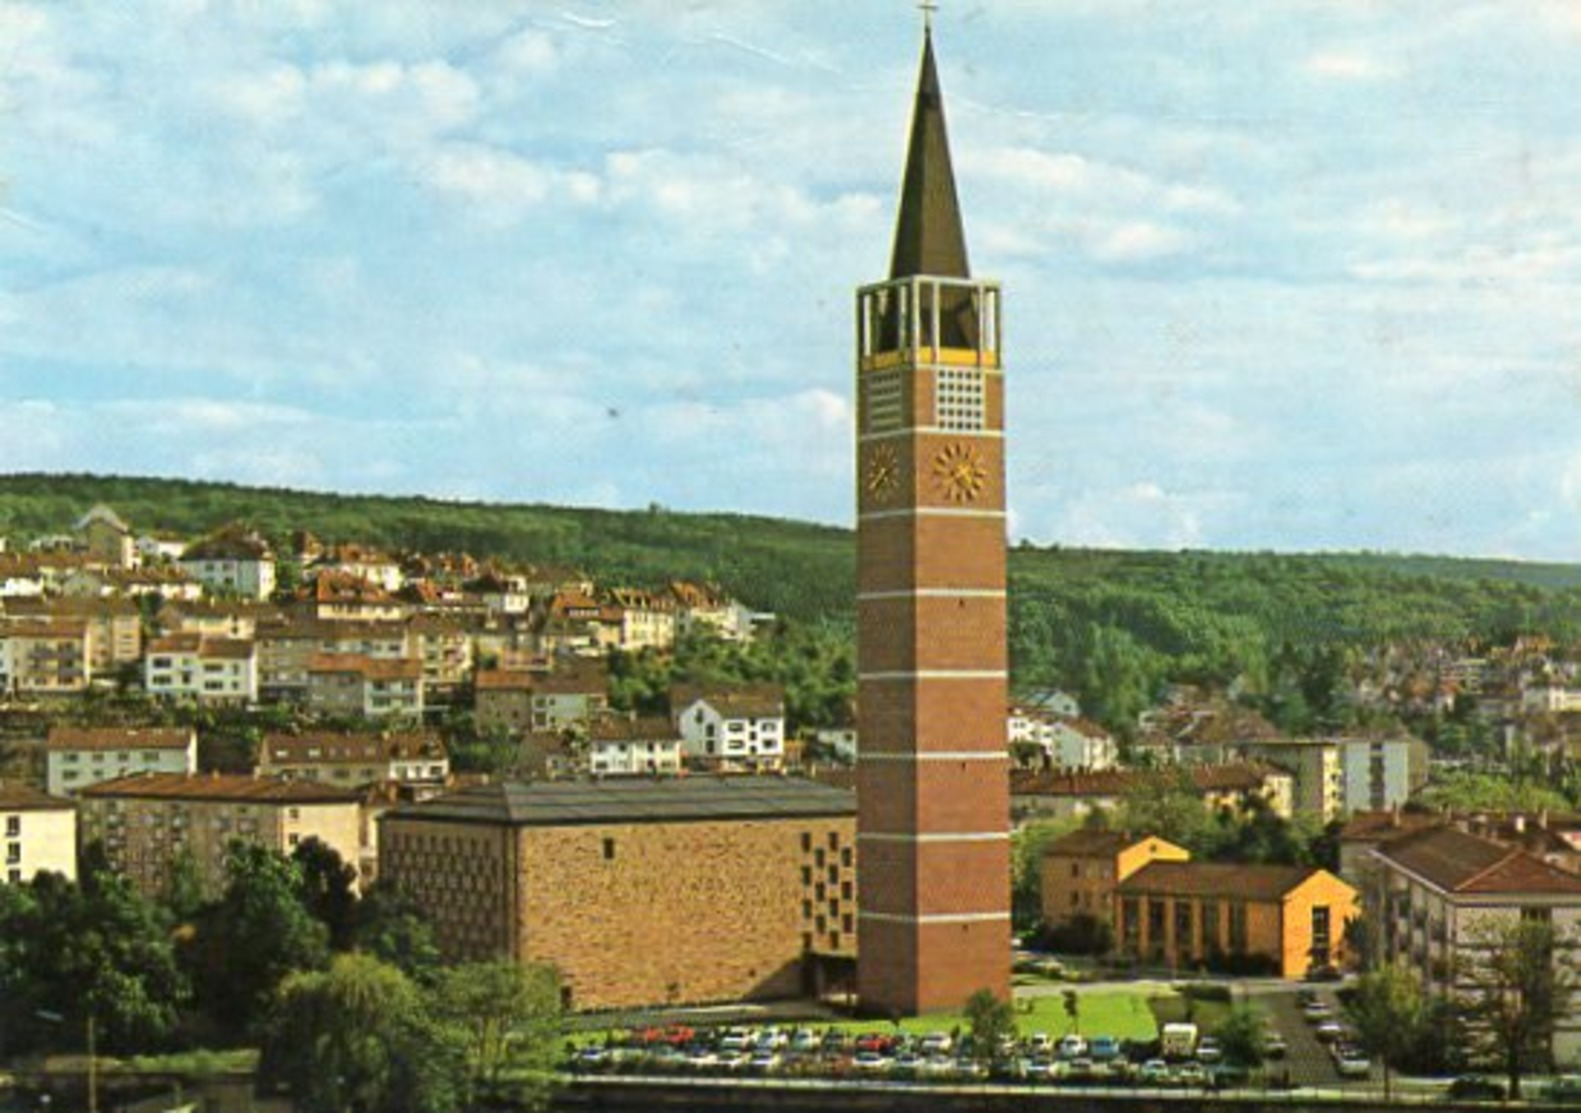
point(1200, 610)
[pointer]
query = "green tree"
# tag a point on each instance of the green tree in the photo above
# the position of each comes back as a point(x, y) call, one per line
point(1520, 981)
point(360, 1037)
point(326, 888)
point(258, 932)
point(182, 896)
point(1027, 845)
point(1169, 805)
point(1241, 1036)
point(992, 1025)
point(510, 1014)
point(93, 954)
point(1389, 1011)
point(389, 925)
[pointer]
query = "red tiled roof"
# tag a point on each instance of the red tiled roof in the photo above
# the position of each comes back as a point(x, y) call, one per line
point(214, 786)
point(16, 796)
point(369, 667)
point(1092, 842)
point(1209, 878)
point(1455, 861)
point(755, 700)
point(71, 738)
point(1205, 778)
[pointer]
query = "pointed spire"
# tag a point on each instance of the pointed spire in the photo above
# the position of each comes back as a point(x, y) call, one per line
point(929, 239)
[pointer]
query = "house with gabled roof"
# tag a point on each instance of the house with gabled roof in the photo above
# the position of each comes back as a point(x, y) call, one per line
point(734, 728)
point(1080, 870)
point(633, 746)
point(1285, 919)
point(77, 756)
point(209, 670)
point(365, 686)
point(104, 537)
point(233, 561)
point(416, 759)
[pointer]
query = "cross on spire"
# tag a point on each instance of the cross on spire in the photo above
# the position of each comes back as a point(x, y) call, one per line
point(928, 7)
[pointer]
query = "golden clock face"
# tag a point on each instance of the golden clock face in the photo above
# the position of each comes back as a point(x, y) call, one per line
point(959, 472)
point(883, 471)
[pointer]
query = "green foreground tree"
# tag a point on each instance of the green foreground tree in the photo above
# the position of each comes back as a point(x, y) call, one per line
point(253, 937)
point(1389, 1011)
point(509, 1013)
point(1521, 978)
point(360, 1037)
point(1241, 1036)
point(991, 1023)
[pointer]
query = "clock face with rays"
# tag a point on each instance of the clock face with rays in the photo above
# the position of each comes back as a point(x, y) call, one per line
point(959, 473)
point(883, 472)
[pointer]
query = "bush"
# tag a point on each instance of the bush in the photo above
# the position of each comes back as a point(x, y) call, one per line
point(1206, 991)
point(1081, 934)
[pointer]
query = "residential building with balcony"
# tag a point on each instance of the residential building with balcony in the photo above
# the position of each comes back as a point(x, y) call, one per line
point(76, 757)
point(145, 822)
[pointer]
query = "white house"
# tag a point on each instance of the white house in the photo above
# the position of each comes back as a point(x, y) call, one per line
point(234, 562)
point(633, 747)
point(39, 833)
point(205, 669)
point(741, 728)
point(1080, 744)
point(77, 757)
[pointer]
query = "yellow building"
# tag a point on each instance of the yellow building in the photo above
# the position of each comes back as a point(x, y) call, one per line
point(40, 833)
point(1081, 869)
point(1196, 914)
point(146, 821)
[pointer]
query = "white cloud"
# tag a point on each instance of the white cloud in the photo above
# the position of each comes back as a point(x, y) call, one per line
point(1348, 65)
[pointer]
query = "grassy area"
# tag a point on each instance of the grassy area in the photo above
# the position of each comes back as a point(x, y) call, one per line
point(1172, 1008)
point(199, 1063)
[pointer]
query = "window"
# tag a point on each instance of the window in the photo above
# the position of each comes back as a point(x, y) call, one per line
point(13, 853)
point(609, 849)
point(13, 825)
point(1210, 927)
point(1184, 946)
point(1238, 928)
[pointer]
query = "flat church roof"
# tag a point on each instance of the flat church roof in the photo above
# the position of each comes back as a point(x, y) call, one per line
point(674, 799)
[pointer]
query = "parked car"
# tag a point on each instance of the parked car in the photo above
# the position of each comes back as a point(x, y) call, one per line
point(1071, 1046)
point(1315, 1011)
point(936, 1043)
point(1329, 1031)
point(592, 1058)
point(1154, 1071)
point(1352, 1062)
point(872, 1062)
point(1209, 1050)
point(1104, 1048)
point(1274, 1046)
point(1475, 1087)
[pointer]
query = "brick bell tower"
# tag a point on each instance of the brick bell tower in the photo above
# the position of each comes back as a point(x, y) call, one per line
point(933, 801)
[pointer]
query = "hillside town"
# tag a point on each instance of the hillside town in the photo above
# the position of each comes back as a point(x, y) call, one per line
point(168, 699)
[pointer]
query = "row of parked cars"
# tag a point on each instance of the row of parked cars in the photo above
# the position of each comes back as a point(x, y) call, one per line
point(1349, 1058)
point(746, 1049)
point(940, 1056)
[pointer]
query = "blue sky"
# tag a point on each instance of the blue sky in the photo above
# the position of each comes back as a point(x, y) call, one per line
point(1292, 274)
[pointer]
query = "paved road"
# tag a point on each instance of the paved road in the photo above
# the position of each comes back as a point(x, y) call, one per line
point(1309, 1061)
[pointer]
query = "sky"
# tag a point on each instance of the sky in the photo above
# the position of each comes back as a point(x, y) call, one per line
point(1294, 275)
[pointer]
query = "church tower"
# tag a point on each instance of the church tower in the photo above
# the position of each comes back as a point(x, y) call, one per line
point(933, 809)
